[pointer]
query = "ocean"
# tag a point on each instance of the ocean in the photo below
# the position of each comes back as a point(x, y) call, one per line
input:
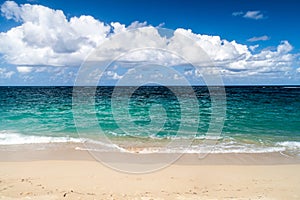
point(258, 119)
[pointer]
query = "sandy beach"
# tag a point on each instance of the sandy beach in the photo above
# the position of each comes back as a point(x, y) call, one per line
point(149, 100)
point(70, 174)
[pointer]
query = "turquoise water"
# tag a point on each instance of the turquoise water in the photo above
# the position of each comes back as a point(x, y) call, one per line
point(258, 119)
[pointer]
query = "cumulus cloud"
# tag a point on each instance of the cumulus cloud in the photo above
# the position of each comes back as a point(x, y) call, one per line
point(117, 27)
point(137, 24)
point(11, 10)
point(261, 38)
point(229, 57)
point(45, 37)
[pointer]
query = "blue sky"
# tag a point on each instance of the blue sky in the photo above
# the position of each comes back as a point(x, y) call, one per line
point(258, 24)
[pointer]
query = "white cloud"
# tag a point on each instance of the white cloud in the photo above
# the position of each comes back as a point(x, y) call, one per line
point(219, 50)
point(113, 75)
point(188, 72)
point(6, 74)
point(253, 47)
point(117, 27)
point(261, 38)
point(24, 69)
point(161, 25)
point(237, 13)
point(137, 24)
point(46, 37)
point(254, 15)
point(298, 70)
point(229, 57)
point(11, 10)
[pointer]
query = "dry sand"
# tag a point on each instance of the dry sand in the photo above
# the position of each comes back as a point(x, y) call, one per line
point(54, 178)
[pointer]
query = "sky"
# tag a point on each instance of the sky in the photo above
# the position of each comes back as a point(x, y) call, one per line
point(250, 42)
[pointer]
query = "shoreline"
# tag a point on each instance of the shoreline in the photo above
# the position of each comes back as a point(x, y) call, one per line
point(70, 151)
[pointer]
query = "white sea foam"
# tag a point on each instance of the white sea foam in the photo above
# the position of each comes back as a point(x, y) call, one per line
point(93, 145)
point(230, 146)
point(192, 136)
point(218, 149)
point(10, 138)
point(289, 144)
point(116, 149)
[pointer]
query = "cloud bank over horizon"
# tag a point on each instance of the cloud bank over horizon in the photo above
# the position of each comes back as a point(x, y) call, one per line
point(46, 37)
